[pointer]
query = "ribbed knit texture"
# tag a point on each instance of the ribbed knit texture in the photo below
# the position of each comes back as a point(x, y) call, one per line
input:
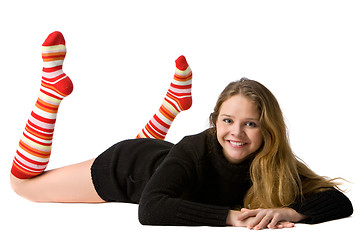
point(178, 98)
point(196, 214)
point(33, 153)
point(324, 206)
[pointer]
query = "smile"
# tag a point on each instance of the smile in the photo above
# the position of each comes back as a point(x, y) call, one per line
point(236, 144)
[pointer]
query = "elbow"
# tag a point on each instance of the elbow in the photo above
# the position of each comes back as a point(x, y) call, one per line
point(156, 211)
point(348, 208)
point(145, 215)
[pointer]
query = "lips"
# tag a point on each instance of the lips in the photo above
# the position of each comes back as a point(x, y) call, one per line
point(237, 144)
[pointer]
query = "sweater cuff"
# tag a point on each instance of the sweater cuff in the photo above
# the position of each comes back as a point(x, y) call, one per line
point(324, 206)
point(197, 214)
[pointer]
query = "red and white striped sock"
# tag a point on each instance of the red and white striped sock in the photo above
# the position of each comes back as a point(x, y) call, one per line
point(178, 98)
point(33, 153)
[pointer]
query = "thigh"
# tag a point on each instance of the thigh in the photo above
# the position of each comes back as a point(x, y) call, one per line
point(72, 183)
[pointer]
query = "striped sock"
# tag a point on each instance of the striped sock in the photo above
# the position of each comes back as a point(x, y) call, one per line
point(34, 149)
point(178, 98)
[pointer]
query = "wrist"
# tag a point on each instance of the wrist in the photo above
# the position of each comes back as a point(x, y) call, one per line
point(295, 216)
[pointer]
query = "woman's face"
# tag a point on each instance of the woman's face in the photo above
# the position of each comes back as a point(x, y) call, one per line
point(238, 128)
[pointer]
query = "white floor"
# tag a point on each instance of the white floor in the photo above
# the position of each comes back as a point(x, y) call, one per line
point(26, 220)
point(22, 219)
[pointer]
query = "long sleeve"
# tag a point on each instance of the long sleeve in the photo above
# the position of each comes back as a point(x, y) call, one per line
point(324, 206)
point(163, 200)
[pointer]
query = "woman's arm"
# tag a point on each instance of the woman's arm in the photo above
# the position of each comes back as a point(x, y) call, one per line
point(162, 201)
point(321, 207)
point(324, 206)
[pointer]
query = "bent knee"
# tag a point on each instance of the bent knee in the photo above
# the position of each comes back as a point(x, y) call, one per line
point(19, 186)
point(16, 184)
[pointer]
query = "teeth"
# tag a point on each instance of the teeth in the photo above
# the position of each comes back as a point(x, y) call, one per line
point(237, 143)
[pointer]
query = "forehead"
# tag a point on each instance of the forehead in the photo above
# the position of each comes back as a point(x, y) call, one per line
point(241, 106)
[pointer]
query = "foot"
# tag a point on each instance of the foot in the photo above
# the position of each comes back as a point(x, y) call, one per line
point(54, 81)
point(180, 88)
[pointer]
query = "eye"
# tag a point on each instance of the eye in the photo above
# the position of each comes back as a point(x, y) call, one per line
point(251, 124)
point(227, 120)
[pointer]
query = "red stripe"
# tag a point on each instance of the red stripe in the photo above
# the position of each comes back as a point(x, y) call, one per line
point(180, 86)
point(161, 122)
point(33, 151)
point(153, 133)
point(35, 141)
point(42, 119)
point(52, 69)
point(49, 94)
point(30, 160)
point(179, 94)
point(172, 104)
point(49, 132)
point(52, 79)
point(156, 128)
point(52, 109)
point(147, 136)
point(23, 166)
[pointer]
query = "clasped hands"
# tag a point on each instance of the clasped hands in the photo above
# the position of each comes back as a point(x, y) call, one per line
point(257, 219)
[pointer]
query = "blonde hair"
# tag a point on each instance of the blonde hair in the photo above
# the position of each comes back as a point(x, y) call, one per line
point(279, 178)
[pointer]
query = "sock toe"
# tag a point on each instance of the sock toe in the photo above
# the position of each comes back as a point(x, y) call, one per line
point(54, 38)
point(181, 63)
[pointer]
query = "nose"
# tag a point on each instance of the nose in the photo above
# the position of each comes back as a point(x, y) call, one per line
point(237, 130)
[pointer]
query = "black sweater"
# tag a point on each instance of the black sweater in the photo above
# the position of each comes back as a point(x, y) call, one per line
point(195, 185)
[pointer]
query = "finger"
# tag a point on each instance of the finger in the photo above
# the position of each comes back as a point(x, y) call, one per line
point(288, 224)
point(256, 220)
point(248, 213)
point(275, 222)
point(284, 225)
point(263, 223)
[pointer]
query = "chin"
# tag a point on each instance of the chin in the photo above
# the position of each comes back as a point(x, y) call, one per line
point(236, 159)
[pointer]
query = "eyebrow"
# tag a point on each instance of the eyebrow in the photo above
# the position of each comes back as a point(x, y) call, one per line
point(231, 116)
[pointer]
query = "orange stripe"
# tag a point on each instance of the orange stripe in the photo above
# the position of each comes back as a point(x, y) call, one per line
point(178, 108)
point(54, 55)
point(49, 105)
point(53, 59)
point(183, 78)
point(22, 170)
point(38, 134)
point(157, 129)
point(33, 151)
point(46, 107)
point(153, 133)
point(166, 113)
point(49, 86)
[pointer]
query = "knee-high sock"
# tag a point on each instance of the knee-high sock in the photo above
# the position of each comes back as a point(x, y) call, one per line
point(34, 149)
point(178, 98)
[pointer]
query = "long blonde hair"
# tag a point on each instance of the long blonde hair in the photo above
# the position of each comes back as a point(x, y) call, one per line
point(279, 178)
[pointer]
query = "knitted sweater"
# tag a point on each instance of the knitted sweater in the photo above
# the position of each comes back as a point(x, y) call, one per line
point(195, 185)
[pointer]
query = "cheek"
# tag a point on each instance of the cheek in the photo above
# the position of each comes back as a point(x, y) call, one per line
point(257, 138)
point(219, 133)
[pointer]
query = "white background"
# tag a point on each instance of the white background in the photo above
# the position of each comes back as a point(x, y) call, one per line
point(121, 59)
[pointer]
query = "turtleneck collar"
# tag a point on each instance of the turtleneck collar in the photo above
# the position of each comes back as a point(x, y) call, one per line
point(222, 165)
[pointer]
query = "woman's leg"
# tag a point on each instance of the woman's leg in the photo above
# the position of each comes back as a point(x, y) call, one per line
point(67, 184)
point(178, 98)
point(33, 153)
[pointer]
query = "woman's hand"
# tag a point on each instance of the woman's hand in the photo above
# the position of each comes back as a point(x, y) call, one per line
point(261, 218)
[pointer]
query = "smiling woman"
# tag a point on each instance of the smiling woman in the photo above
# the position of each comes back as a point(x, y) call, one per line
point(238, 128)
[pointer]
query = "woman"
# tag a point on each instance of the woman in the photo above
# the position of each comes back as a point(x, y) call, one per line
point(243, 161)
